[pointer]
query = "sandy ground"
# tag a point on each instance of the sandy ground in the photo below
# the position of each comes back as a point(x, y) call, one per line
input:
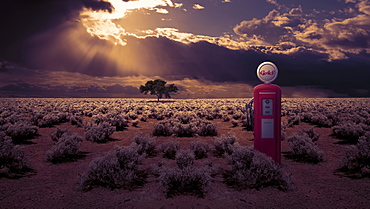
point(54, 185)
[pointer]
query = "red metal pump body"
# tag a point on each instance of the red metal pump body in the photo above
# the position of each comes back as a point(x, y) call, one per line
point(267, 120)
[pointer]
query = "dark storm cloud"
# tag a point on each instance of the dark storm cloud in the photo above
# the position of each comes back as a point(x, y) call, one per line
point(119, 89)
point(18, 81)
point(34, 90)
point(22, 19)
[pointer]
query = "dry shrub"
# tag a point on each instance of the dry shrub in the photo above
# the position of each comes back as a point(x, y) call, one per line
point(185, 125)
point(66, 149)
point(144, 118)
point(11, 156)
point(169, 149)
point(119, 122)
point(184, 158)
point(144, 144)
point(118, 169)
point(209, 117)
point(76, 120)
point(348, 131)
point(184, 130)
point(304, 149)
point(48, 120)
point(135, 122)
point(161, 129)
point(20, 131)
point(207, 129)
point(99, 133)
point(234, 122)
point(223, 145)
point(294, 120)
point(252, 169)
point(312, 134)
point(357, 158)
point(200, 149)
point(161, 117)
point(226, 118)
point(186, 181)
point(114, 119)
point(55, 136)
point(321, 120)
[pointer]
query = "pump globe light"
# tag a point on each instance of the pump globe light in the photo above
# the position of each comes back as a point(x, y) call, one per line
point(267, 72)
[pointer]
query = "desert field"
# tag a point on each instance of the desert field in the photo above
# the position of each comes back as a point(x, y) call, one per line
point(196, 153)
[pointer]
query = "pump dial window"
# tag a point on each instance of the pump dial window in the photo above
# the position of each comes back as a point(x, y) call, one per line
point(267, 105)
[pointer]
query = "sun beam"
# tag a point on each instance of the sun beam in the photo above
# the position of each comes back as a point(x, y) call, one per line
point(100, 23)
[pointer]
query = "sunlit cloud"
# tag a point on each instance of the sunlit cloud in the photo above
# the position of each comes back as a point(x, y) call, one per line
point(226, 1)
point(161, 11)
point(178, 5)
point(274, 2)
point(295, 30)
point(198, 7)
point(100, 23)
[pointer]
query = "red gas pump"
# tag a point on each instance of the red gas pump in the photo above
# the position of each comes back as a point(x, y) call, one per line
point(267, 112)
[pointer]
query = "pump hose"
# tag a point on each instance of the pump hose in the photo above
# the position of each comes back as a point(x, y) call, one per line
point(250, 115)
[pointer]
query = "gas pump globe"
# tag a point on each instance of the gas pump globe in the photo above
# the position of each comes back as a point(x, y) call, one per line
point(267, 112)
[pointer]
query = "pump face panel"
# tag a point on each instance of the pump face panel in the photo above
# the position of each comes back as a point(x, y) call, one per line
point(267, 128)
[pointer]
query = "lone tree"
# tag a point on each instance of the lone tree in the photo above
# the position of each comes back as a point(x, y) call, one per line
point(158, 87)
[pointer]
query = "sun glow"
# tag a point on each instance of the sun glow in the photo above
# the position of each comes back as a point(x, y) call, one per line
point(100, 23)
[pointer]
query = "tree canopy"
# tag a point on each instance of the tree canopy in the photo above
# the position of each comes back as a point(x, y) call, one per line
point(159, 88)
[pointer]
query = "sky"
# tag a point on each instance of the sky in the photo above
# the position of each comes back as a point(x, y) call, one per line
point(208, 48)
